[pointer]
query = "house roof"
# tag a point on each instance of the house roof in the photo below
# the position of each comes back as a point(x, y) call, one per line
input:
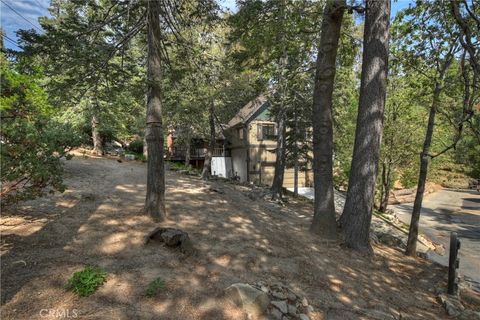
point(244, 114)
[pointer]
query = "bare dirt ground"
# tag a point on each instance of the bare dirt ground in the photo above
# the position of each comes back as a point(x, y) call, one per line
point(98, 221)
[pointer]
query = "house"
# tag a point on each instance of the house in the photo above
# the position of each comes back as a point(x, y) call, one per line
point(251, 137)
point(176, 148)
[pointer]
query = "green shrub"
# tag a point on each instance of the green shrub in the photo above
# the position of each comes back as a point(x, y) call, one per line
point(86, 282)
point(136, 146)
point(154, 286)
point(32, 142)
point(140, 157)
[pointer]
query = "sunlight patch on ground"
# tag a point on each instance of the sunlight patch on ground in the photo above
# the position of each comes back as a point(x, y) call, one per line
point(130, 188)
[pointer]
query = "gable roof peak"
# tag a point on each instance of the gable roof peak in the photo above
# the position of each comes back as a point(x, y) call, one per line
point(245, 113)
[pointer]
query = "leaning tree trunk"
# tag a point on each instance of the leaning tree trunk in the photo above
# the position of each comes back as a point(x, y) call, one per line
point(155, 198)
point(324, 223)
point(97, 139)
point(422, 177)
point(424, 159)
point(280, 155)
point(207, 166)
point(357, 214)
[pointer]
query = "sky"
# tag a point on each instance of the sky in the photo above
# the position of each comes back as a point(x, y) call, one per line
point(24, 14)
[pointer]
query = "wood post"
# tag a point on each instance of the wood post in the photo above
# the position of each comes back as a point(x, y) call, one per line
point(453, 264)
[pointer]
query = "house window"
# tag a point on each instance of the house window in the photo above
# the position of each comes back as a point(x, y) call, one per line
point(240, 134)
point(266, 132)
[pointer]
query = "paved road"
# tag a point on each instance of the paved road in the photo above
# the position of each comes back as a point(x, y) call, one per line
point(451, 210)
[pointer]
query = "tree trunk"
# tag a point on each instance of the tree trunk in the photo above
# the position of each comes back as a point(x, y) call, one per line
point(386, 184)
point(188, 144)
point(155, 198)
point(424, 159)
point(422, 177)
point(280, 154)
point(207, 166)
point(145, 147)
point(295, 177)
point(97, 139)
point(324, 223)
point(357, 214)
point(295, 156)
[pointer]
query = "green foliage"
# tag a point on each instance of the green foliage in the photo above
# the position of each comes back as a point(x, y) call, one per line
point(87, 281)
point(95, 78)
point(345, 102)
point(32, 141)
point(140, 157)
point(136, 146)
point(179, 166)
point(154, 287)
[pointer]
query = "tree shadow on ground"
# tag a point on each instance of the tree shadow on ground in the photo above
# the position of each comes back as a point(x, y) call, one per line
point(237, 240)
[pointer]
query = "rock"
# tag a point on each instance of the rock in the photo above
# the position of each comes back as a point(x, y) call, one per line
point(130, 157)
point(217, 190)
point(280, 305)
point(391, 240)
point(292, 309)
point(291, 296)
point(279, 295)
point(276, 314)
point(310, 309)
point(251, 300)
point(423, 255)
point(172, 238)
point(303, 316)
point(451, 304)
point(264, 289)
point(304, 302)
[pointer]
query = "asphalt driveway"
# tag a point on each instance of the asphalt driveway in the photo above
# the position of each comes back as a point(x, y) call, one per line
point(446, 211)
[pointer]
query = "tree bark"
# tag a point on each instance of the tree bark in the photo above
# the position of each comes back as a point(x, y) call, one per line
point(97, 139)
point(422, 177)
point(295, 177)
point(145, 147)
point(357, 214)
point(280, 154)
point(411, 249)
point(207, 166)
point(295, 156)
point(155, 198)
point(386, 185)
point(188, 144)
point(324, 223)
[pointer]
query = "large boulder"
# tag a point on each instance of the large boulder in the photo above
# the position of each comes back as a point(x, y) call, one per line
point(251, 300)
point(172, 238)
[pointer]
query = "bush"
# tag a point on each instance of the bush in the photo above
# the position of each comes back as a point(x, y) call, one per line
point(32, 144)
point(141, 157)
point(87, 281)
point(136, 146)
